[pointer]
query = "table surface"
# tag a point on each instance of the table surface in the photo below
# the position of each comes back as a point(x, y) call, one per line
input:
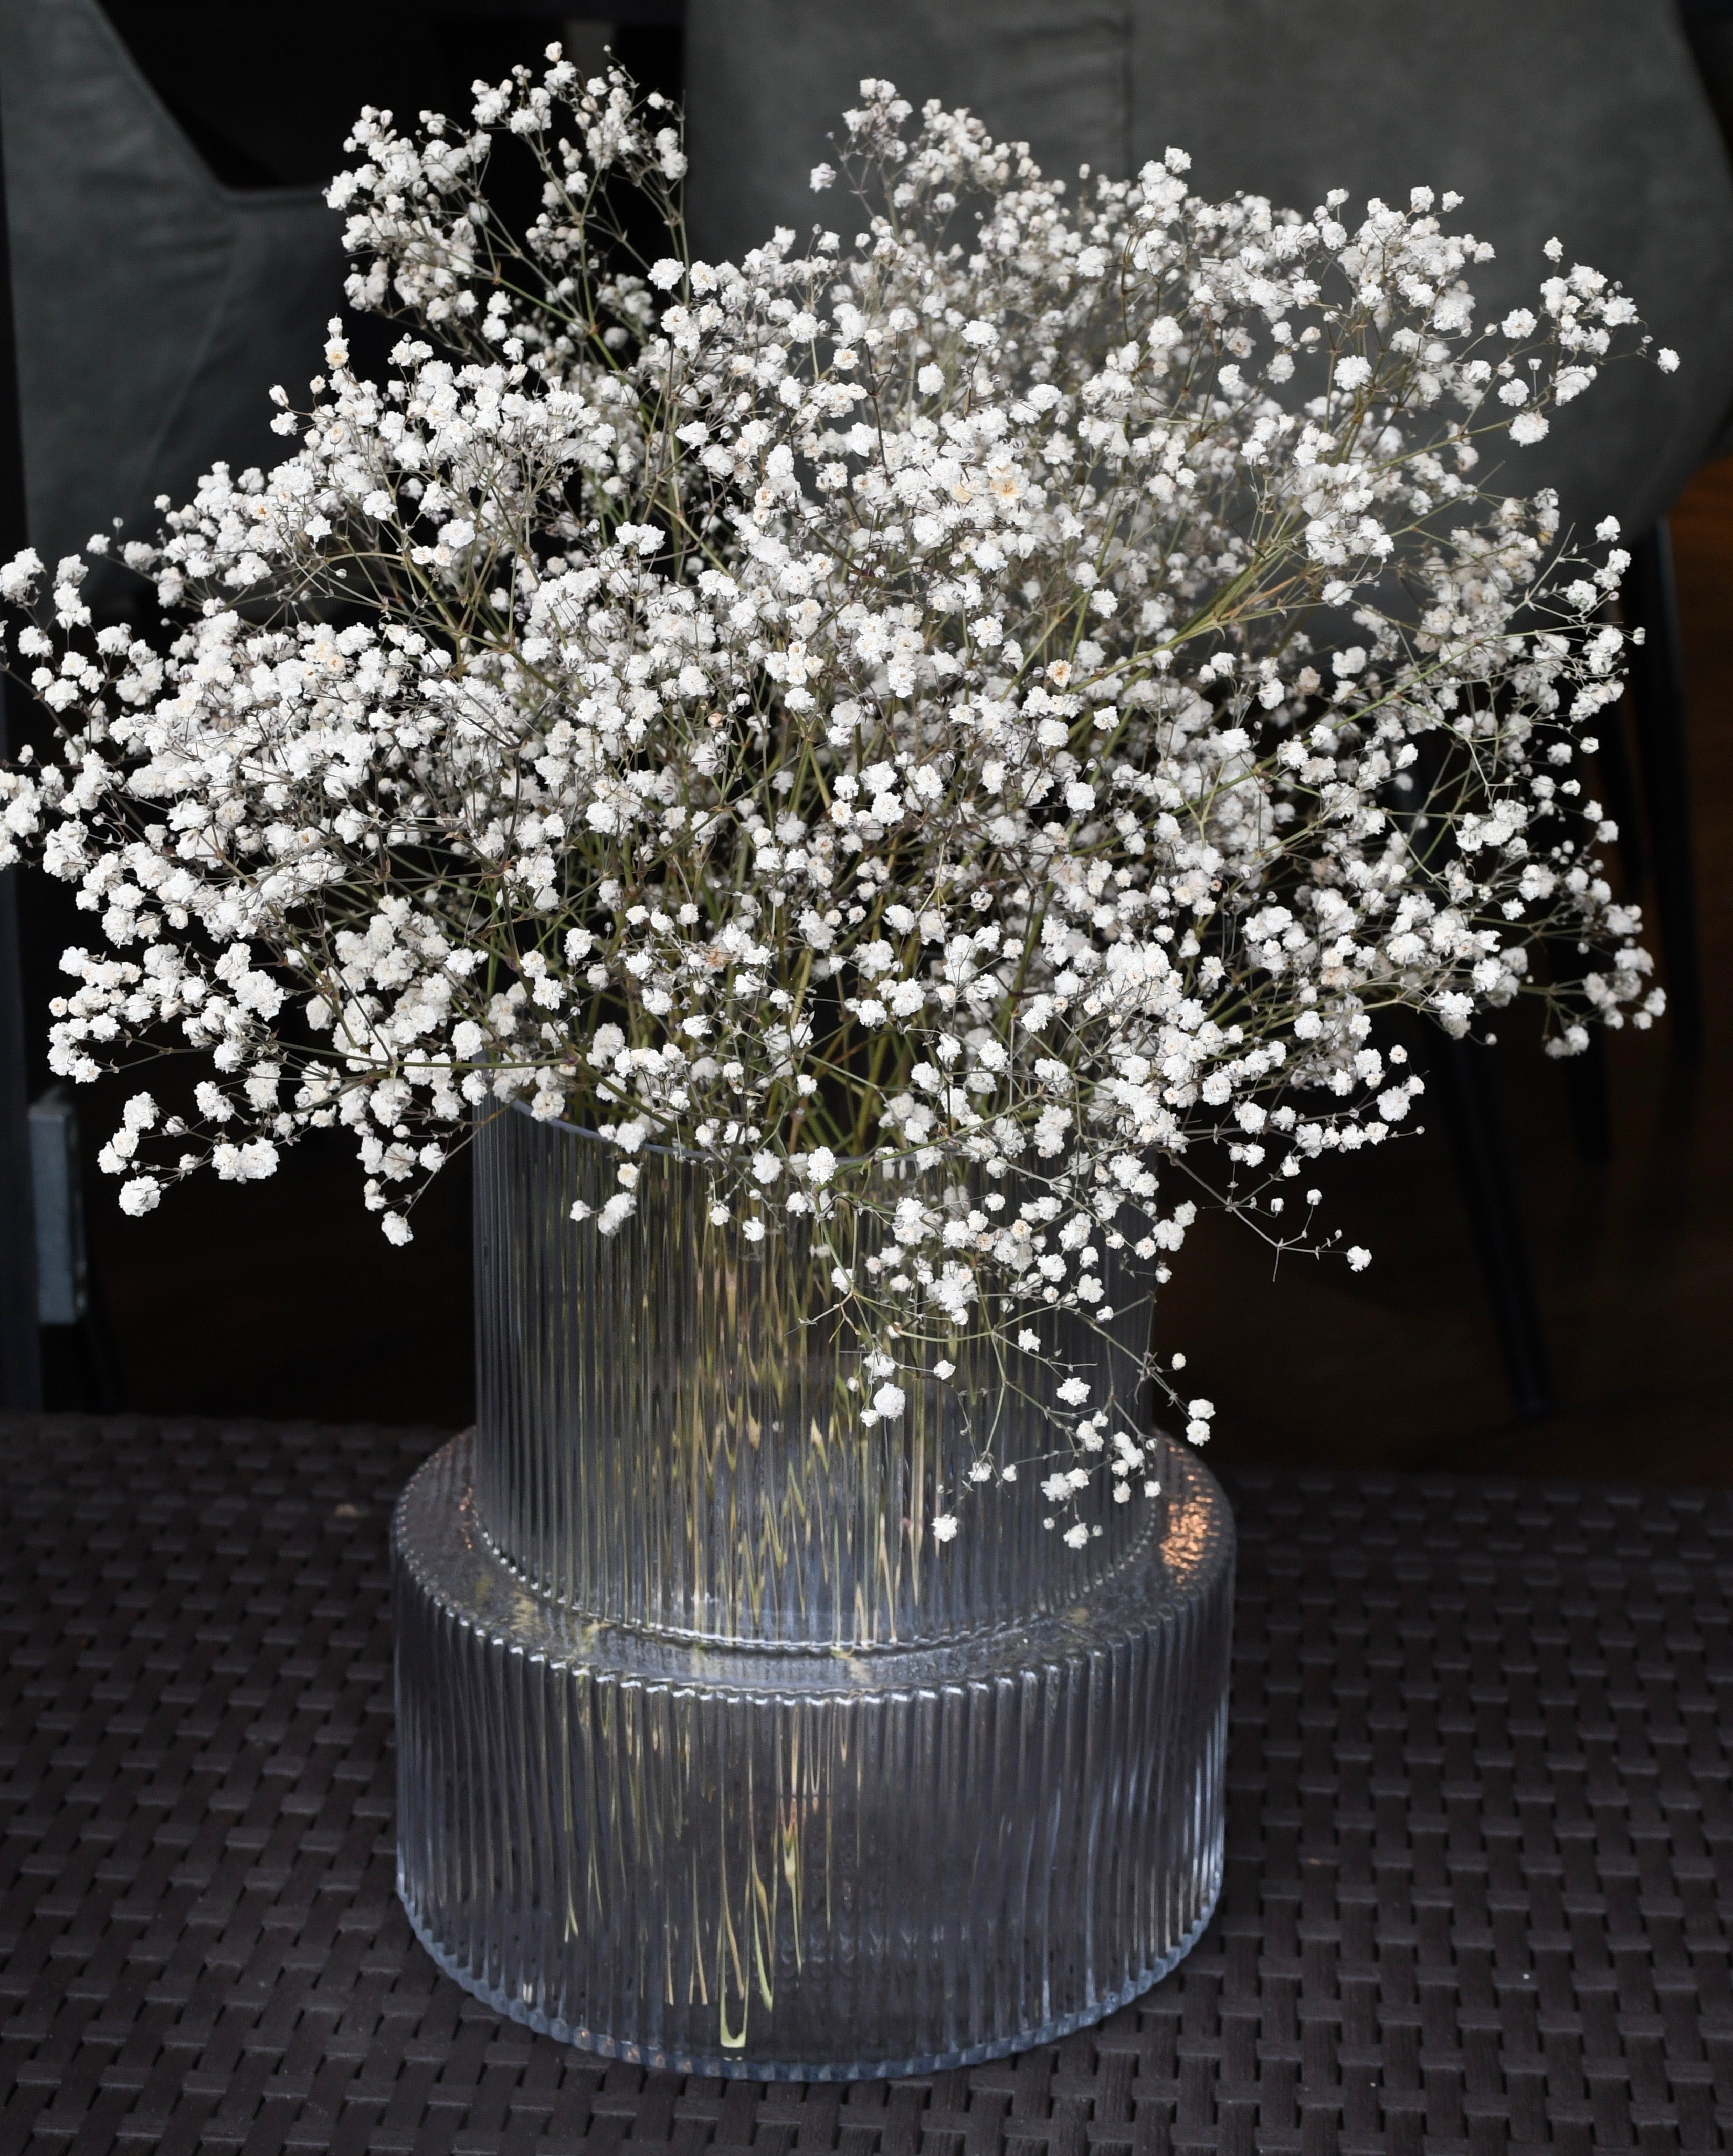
point(1479, 1850)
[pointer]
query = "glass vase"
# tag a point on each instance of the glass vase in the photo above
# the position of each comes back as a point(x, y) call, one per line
point(710, 1756)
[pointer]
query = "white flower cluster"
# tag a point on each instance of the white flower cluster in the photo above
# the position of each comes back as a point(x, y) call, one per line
point(1015, 695)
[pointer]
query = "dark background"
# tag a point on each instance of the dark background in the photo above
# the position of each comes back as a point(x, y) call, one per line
point(267, 106)
point(282, 1299)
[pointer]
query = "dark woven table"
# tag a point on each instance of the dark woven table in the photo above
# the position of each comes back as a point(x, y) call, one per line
point(1479, 1857)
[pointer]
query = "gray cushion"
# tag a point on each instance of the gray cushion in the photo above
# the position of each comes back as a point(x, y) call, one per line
point(155, 308)
point(1584, 118)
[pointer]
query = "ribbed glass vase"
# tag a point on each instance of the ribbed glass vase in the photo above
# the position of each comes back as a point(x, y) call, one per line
point(709, 1756)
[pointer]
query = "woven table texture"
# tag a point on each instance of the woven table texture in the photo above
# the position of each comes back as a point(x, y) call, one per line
point(1479, 1845)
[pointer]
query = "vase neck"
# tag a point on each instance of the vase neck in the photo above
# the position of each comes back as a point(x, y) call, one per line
point(669, 1428)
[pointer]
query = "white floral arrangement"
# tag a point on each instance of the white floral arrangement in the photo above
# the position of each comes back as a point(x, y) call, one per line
point(1021, 693)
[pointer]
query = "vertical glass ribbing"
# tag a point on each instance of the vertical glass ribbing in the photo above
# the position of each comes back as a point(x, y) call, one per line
point(707, 1758)
point(668, 1434)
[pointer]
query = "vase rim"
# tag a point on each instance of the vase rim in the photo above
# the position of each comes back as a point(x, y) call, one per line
point(582, 1131)
point(668, 1153)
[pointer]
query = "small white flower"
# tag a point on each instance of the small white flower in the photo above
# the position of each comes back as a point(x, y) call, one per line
point(889, 1401)
point(944, 1526)
point(616, 1212)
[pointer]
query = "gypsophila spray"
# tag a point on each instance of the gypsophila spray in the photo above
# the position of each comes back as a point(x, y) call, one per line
point(1005, 691)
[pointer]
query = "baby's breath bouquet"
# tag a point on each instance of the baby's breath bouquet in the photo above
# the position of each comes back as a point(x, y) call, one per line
point(963, 721)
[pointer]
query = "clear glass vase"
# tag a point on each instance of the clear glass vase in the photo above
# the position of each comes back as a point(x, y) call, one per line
point(709, 1756)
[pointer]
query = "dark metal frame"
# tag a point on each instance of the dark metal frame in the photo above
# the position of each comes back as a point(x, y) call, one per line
point(20, 1339)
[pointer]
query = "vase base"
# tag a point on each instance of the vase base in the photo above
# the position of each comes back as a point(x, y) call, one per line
point(799, 1865)
point(730, 2065)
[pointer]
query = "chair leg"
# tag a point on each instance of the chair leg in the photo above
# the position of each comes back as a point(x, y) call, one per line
point(99, 1365)
point(1591, 1100)
point(1658, 702)
point(1618, 788)
point(1463, 1075)
point(1587, 1081)
point(20, 1338)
